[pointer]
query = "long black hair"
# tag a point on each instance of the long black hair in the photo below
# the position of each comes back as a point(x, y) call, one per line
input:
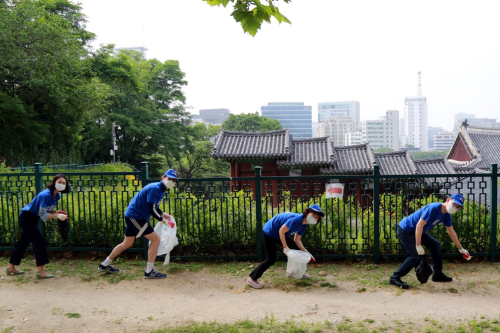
point(52, 185)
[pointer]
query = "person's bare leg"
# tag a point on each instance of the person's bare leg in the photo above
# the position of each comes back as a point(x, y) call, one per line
point(153, 247)
point(42, 272)
point(127, 243)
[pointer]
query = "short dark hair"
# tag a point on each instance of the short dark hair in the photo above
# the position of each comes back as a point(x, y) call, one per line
point(52, 185)
point(310, 210)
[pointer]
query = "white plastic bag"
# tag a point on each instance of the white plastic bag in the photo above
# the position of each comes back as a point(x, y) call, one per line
point(168, 239)
point(297, 263)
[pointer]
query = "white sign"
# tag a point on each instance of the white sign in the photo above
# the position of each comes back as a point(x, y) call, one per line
point(334, 191)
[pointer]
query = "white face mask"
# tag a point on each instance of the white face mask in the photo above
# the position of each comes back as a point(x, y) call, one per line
point(450, 208)
point(168, 183)
point(60, 187)
point(311, 220)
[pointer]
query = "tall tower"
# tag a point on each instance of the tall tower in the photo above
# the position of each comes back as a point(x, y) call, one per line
point(416, 119)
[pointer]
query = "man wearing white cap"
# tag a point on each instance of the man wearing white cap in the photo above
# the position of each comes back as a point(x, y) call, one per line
point(277, 231)
point(144, 205)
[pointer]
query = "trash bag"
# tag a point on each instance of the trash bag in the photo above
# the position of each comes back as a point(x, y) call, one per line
point(297, 263)
point(168, 239)
point(423, 270)
point(63, 227)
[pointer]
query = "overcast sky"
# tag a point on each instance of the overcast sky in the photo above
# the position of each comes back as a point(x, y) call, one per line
point(363, 50)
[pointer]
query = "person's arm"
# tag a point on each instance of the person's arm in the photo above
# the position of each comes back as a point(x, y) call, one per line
point(42, 211)
point(283, 230)
point(155, 211)
point(454, 237)
point(418, 231)
point(298, 240)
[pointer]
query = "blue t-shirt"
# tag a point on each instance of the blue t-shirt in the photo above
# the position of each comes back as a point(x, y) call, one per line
point(292, 220)
point(138, 207)
point(430, 213)
point(42, 204)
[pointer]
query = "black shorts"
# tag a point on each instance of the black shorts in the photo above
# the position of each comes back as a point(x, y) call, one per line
point(137, 227)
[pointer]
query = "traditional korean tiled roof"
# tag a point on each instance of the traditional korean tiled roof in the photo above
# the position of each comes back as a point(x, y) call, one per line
point(435, 166)
point(253, 145)
point(314, 152)
point(482, 145)
point(356, 159)
point(395, 163)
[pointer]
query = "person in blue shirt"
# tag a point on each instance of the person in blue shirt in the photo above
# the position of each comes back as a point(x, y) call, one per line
point(412, 233)
point(41, 207)
point(143, 205)
point(277, 231)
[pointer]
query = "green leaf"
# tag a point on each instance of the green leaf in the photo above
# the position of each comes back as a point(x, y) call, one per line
point(217, 2)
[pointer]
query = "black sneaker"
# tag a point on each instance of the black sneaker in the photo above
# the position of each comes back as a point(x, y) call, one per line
point(398, 283)
point(107, 269)
point(441, 278)
point(154, 274)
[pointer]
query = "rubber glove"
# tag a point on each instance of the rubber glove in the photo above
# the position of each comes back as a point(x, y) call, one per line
point(62, 217)
point(312, 258)
point(465, 254)
point(420, 250)
point(170, 223)
point(285, 250)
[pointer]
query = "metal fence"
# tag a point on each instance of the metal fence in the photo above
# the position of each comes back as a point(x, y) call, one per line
point(69, 166)
point(222, 218)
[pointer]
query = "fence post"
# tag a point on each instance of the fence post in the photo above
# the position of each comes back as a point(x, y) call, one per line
point(493, 212)
point(38, 189)
point(258, 212)
point(376, 214)
point(144, 182)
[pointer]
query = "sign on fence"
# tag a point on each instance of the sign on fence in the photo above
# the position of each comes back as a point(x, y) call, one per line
point(334, 191)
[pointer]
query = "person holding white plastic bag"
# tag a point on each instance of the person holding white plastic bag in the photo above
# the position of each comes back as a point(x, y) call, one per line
point(277, 231)
point(144, 205)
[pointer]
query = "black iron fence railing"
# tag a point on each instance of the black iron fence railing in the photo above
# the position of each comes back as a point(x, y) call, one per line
point(223, 217)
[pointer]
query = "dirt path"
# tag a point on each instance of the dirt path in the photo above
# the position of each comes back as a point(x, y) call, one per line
point(142, 305)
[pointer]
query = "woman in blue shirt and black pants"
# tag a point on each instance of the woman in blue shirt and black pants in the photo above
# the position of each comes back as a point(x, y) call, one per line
point(42, 207)
point(277, 231)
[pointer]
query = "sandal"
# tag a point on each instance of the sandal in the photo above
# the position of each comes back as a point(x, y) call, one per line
point(9, 272)
point(41, 277)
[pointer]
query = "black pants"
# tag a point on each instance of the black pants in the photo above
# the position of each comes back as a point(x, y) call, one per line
point(270, 251)
point(407, 239)
point(30, 233)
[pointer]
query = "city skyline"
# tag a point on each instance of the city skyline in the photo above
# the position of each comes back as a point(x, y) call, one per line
point(333, 51)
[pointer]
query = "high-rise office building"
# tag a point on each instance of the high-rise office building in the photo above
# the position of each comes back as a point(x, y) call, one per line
point(212, 116)
point(416, 119)
point(392, 129)
point(475, 122)
point(297, 117)
point(354, 138)
point(336, 128)
point(315, 129)
point(431, 131)
point(383, 132)
point(402, 133)
point(349, 109)
point(443, 140)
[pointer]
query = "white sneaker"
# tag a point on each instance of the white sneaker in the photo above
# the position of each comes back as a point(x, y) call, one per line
point(254, 284)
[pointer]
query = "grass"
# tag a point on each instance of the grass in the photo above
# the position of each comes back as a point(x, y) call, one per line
point(363, 276)
point(72, 315)
point(271, 324)
point(358, 276)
